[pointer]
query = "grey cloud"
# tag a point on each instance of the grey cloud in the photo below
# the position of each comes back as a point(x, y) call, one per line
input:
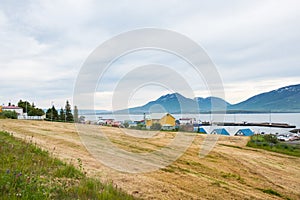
point(44, 44)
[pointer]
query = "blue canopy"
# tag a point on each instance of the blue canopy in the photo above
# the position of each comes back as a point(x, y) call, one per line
point(202, 130)
point(220, 131)
point(245, 132)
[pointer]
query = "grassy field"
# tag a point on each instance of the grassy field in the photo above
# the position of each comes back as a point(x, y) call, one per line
point(27, 172)
point(230, 171)
point(270, 143)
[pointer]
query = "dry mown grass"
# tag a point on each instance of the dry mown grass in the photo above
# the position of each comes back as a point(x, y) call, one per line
point(230, 171)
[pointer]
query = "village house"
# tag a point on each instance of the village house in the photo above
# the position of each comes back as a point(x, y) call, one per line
point(18, 110)
point(166, 120)
point(184, 121)
point(102, 121)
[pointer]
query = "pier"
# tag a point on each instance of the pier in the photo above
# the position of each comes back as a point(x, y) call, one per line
point(274, 125)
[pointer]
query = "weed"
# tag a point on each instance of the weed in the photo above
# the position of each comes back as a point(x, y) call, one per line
point(270, 191)
point(28, 172)
point(267, 143)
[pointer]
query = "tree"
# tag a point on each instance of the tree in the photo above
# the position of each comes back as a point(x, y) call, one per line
point(52, 114)
point(25, 105)
point(39, 112)
point(62, 116)
point(30, 109)
point(76, 114)
point(69, 115)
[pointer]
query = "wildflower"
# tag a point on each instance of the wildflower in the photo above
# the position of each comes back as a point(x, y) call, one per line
point(19, 174)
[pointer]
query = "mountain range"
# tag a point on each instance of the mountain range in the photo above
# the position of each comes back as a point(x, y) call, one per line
point(285, 99)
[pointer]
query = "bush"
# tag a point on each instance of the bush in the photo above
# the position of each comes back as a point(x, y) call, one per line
point(126, 124)
point(271, 139)
point(9, 114)
point(270, 143)
point(155, 126)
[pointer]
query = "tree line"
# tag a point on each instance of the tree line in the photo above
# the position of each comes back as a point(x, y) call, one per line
point(30, 108)
point(27, 107)
point(65, 114)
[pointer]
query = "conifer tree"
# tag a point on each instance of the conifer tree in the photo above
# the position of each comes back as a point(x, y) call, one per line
point(69, 115)
point(62, 116)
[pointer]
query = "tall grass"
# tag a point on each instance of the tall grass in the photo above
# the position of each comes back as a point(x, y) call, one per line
point(270, 143)
point(27, 172)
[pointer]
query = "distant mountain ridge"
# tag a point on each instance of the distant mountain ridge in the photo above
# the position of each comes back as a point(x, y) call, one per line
point(285, 99)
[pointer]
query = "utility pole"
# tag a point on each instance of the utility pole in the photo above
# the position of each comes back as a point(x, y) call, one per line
point(26, 110)
point(51, 110)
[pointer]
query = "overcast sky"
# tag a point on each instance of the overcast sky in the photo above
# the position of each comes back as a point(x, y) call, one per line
point(255, 45)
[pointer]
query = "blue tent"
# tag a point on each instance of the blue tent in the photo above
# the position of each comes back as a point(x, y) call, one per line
point(244, 132)
point(202, 130)
point(220, 131)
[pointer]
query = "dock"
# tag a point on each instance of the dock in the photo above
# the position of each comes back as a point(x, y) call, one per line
point(274, 125)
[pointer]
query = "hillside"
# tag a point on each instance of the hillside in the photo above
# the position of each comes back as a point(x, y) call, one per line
point(230, 171)
point(286, 99)
point(177, 103)
point(172, 103)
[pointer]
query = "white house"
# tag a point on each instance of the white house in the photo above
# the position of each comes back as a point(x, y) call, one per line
point(18, 110)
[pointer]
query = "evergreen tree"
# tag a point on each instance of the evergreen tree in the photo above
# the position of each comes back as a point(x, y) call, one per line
point(62, 116)
point(69, 115)
point(76, 114)
point(52, 114)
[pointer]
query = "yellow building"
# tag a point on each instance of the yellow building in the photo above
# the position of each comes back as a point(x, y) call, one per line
point(0, 109)
point(166, 120)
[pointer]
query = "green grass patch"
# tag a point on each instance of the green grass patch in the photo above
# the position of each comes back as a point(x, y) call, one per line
point(228, 145)
point(271, 192)
point(28, 172)
point(270, 143)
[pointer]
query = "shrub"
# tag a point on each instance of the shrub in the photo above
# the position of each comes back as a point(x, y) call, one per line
point(155, 126)
point(9, 114)
point(271, 139)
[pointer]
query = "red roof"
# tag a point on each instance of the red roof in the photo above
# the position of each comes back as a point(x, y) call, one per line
point(186, 119)
point(11, 107)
